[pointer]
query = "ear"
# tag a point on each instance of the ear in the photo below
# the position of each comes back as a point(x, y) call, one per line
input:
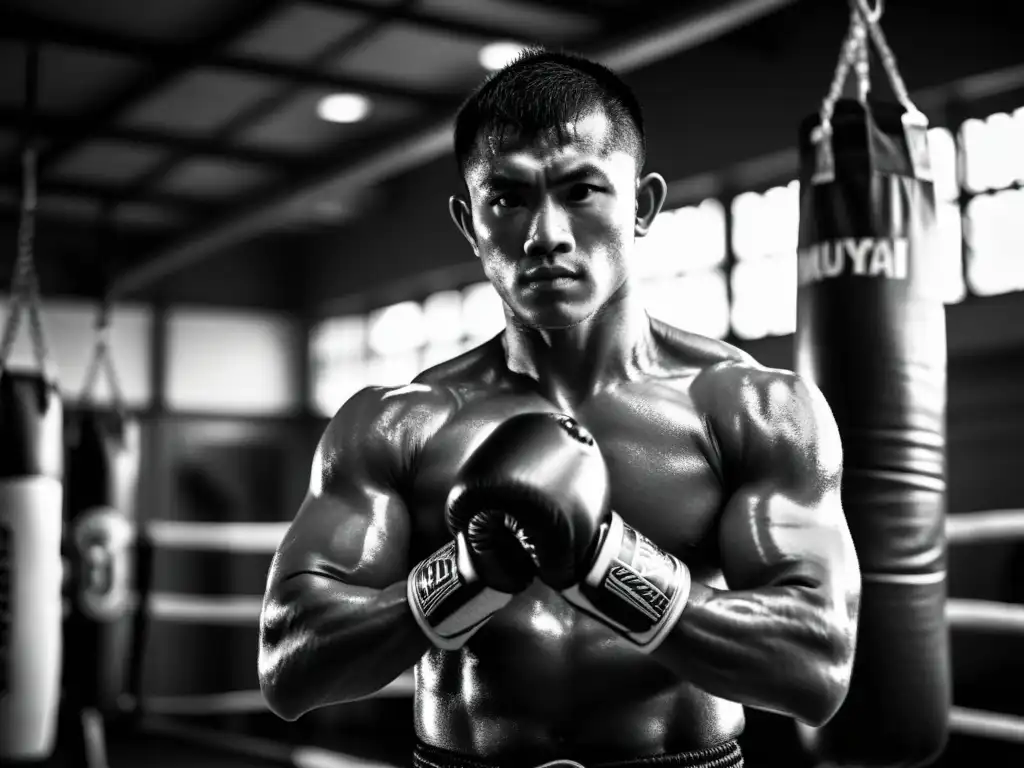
point(650, 196)
point(463, 218)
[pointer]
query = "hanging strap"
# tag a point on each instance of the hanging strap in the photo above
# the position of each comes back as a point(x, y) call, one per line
point(25, 294)
point(865, 27)
point(103, 361)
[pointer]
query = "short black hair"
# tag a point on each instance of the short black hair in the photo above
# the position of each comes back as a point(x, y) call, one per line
point(544, 91)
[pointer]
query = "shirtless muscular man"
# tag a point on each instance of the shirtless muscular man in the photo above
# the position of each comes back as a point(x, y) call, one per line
point(595, 537)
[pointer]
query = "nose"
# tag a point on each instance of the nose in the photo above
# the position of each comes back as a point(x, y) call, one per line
point(550, 232)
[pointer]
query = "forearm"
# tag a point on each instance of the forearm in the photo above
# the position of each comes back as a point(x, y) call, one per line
point(778, 648)
point(324, 642)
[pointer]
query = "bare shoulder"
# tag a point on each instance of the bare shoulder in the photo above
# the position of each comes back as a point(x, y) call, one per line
point(769, 419)
point(691, 351)
point(475, 369)
point(379, 430)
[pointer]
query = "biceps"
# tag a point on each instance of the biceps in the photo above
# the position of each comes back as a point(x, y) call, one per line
point(361, 538)
point(767, 538)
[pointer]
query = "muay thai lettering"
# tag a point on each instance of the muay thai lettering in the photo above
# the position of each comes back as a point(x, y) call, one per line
point(437, 577)
point(865, 257)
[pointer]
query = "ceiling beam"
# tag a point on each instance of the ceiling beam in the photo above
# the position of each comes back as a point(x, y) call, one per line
point(262, 108)
point(603, 10)
point(62, 128)
point(440, 23)
point(34, 29)
point(657, 39)
point(110, 195)
point(185, 57)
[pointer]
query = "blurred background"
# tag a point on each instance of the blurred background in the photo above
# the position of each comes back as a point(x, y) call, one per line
point(261, 186)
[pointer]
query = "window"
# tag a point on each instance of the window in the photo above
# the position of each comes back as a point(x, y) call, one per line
point(390, 346)
point(231, 362)
point(444, 326)
point(995, 241)
point(765, 231)
point(483, 312)
point(70, 334)
point(993, 151)
point(993, 161)
point(680, 268)
point(337, 355)
point(942, 148)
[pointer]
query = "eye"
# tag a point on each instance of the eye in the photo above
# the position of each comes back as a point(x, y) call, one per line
point(580, 193)
point(508, 200)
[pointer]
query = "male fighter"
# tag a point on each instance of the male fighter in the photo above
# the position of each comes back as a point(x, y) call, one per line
point(596, 537)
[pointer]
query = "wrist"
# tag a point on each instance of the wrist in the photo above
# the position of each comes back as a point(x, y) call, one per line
point(633, 586)
point(447, 598)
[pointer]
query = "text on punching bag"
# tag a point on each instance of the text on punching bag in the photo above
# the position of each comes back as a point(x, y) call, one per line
point(861, 256)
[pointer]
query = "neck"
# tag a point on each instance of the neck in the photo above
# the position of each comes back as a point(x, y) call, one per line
point(570, 364)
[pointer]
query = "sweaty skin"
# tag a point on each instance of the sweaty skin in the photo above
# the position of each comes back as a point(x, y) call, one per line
point(732, 467)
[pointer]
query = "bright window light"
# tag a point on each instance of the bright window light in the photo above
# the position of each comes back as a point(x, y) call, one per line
point(942, 148)
point(397, 328)
point(495, 56)
point(1018, 143)
point(658, 252)
point(700, 234)
point(951, 252)
point(781, 220)
point(343, 108)
point(442, 317)
point(747, 225)
point(695, 302)
point(764, 296)
point(483, 313)
point(993, 155)
point(392, 370)
point(996, 241)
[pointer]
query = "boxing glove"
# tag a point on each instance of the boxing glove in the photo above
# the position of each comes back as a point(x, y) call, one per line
point(447, 598)
point(541, 478)
point(536, 485)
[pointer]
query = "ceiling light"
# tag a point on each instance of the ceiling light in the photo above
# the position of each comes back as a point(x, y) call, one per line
point(494, 56)
point(343, 108)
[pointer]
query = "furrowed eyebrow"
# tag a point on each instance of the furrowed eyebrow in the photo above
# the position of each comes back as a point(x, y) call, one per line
point(500, 181)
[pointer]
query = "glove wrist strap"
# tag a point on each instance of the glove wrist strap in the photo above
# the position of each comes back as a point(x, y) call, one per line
point(447, 598)
point(634, 586)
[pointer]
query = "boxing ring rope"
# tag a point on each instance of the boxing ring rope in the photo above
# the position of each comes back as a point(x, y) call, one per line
point(993, 526)
point(996, 526)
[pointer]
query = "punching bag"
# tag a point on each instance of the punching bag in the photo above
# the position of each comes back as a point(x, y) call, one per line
point(102, 473)
point(871, 335)
point(31, 571)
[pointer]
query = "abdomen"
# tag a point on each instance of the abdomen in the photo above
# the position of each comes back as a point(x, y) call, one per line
point(542, 679)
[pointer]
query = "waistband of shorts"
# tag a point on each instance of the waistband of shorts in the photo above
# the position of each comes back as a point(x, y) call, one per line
point(724, 755)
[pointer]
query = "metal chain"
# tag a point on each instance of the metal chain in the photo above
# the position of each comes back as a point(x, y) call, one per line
point(102, 358)
point(25, 283)
point(847, 56)
point(855, 53)
point(862, 59)
point(871, 17)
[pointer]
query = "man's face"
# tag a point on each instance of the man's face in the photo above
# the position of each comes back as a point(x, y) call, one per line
point(553, 223)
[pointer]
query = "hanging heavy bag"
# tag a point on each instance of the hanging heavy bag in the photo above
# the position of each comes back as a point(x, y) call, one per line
point(31, 519)
point(102, 470)
point(871, 335)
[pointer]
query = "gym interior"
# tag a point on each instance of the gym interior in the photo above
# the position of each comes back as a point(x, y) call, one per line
point(221, 220)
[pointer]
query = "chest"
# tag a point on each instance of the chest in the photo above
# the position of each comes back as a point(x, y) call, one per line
point(665, 478)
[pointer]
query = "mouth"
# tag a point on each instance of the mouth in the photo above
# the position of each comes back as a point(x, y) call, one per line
point(549, 274)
